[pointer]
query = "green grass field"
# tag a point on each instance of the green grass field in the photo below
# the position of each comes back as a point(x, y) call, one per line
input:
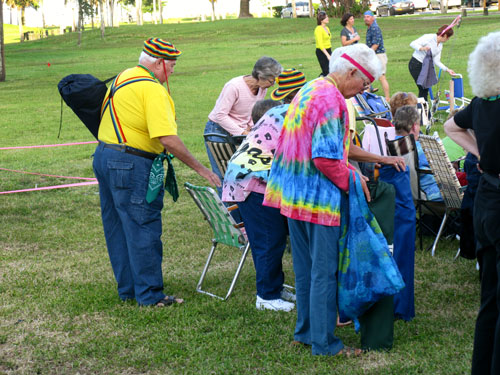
point(59, 310)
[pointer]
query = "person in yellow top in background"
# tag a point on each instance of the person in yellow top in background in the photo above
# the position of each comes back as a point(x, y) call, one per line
point(323, 42)
point(138, 123)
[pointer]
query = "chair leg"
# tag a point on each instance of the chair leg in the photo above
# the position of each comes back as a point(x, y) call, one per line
point(238, 270)
point(457, 254)
point(443, 223)
point(204, 272)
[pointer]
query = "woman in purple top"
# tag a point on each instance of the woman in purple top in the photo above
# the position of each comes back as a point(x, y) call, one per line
point(232, 112)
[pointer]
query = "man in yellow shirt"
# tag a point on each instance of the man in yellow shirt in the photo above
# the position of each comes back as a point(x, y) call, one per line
point(138, 123)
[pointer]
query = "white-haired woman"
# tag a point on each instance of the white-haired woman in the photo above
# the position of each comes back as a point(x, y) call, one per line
point(233, 109)
point(308, 181)
point(483, 116)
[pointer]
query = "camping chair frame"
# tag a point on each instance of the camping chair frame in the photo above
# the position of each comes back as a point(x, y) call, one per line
point(403, 146)
point(222, 147)
point(455, 99)
point(445, 176)
point(225, 229)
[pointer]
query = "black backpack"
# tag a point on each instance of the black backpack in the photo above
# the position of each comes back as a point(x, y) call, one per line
point(84, 94)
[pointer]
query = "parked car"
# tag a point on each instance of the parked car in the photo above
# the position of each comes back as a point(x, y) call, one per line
point(421, 4)
point(477, 3)
point(393, 7)
point(301, 7)
point(435, 4)
point(374, 5)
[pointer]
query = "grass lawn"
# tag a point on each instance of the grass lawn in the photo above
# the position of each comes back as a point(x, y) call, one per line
point(59, 310)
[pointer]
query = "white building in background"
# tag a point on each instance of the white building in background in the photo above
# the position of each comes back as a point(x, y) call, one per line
point(58, 14)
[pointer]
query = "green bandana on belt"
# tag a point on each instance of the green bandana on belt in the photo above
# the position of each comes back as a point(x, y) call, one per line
point(156, 175)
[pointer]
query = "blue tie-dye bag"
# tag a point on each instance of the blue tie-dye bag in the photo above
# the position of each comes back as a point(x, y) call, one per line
point(367, 271)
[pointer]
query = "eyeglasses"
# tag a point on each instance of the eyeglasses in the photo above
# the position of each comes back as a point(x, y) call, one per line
point(271, 81)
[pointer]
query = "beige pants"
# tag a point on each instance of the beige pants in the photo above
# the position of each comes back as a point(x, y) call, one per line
point(383, 59)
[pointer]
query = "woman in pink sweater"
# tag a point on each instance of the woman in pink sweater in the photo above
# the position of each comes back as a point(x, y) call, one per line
point(232, 112)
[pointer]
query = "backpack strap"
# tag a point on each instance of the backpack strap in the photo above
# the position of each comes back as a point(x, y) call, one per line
point(109, 102)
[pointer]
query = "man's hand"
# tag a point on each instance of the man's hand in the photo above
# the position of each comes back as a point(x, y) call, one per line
point(210, 176)
point(395, 161)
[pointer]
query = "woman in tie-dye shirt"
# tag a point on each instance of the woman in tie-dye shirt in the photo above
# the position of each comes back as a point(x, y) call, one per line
point(308, 181)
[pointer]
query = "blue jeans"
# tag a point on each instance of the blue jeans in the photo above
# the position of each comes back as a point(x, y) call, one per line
point(132, 226)
point(315, 252)
point(267, 230)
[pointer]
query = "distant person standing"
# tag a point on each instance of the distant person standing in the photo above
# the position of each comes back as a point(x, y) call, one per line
point(349, 35)
point(433, 43)
point(375, 41)
point(323, 42)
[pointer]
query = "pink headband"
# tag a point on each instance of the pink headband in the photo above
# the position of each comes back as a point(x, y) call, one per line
point(357, 65)
point(455, 21)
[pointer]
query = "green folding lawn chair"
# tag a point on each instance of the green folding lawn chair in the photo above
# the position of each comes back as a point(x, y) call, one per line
point(226, 230)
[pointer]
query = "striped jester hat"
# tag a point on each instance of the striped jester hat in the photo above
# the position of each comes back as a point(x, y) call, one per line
point(160, 48)
point(288, 81)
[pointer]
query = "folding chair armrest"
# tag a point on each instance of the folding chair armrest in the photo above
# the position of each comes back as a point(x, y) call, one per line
point(423, 171)
point(232, 208)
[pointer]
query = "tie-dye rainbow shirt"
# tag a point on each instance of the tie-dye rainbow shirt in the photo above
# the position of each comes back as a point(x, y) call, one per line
point(316, 125)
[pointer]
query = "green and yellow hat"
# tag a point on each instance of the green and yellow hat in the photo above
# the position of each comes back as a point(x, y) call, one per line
point(288, 81)
point(160, 48)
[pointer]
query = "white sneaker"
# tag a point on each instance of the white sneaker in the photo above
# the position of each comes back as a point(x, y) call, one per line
point(273, 304)
point(288, 296)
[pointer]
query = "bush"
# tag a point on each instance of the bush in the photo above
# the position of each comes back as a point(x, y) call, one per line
point(277, 11)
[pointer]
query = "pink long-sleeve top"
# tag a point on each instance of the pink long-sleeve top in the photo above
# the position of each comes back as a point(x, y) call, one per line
point(233, 108)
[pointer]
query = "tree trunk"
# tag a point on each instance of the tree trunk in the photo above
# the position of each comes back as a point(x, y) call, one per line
point(311, 9)
point(213, 9)
point(101, 11)
point(43, 13)
point(111, 4)
point(160, 6)
point(245, 9)
point(294, 9)
point(138, 6)
point(73, 14)
point(92, 16)
point(80, 21)
point(20, 21)
point(154, 13)
point(2, 54)
point(443, 6)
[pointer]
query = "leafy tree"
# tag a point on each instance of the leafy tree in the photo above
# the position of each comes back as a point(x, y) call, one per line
point(245, 9)
point(22, 5)
point(2, 55)
point(337, 8)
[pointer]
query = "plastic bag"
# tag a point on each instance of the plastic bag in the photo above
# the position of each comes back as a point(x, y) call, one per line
point(367, 271)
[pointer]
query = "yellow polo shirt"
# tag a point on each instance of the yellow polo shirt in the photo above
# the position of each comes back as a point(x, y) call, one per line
point(145, 112)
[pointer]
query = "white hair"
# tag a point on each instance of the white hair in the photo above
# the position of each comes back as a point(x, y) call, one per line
point(363, 55)
point(484, 74)
point(145, 58)
point(266, 68)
